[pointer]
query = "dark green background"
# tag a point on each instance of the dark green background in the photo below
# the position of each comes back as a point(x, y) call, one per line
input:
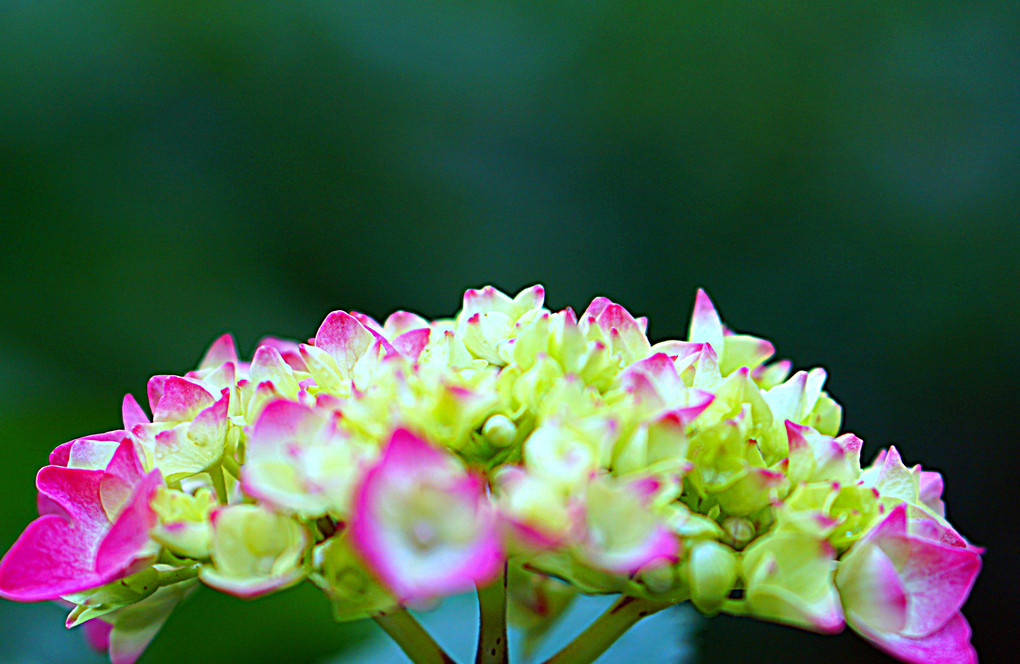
point(842, 178)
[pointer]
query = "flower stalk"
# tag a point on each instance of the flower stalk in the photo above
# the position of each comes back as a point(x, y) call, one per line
point(417, 644)
point(621, 616)
point(178, 575)
point(492, 635)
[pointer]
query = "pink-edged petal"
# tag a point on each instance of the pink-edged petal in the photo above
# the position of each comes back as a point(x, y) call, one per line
point(392, 547)
point(180, 399)
point(787, 399)
point(660, 548)
point(939, 532)
point(597, 306)
point(659, 373)
point(120, 548)
point(61, 552)
point(407, 453)
point(641, 389)
point(344, 338)
point(484, 300)
point(871, 590)
point(282, 421)
point(123, 474)
point(412, 343)
point(616, 317)
point(370, 324)
point(931, 487)
point(936, 568)
point(66, 453)
point(400, 322)
point(532, 297)
point(938, 580)
point(132, 413)
point(221, 351)
point(700, 400)
point(742, 350)
point(248, 588)
point(268, 365)
point(705, 327)
point(289, 351)
point(154, 390)
point(948, 645)
point(125, 463)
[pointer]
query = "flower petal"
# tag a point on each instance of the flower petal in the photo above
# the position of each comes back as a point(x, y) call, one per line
point(423, 524)
point(948, 645)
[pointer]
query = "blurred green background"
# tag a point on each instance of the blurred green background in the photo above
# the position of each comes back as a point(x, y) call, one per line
point(844, 179)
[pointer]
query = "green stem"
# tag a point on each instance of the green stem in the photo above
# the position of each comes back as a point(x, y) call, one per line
point(232, 466)
point(412, 638)
point(219, 483)
point(170, 577)
point(492, 641)
point(610, 626)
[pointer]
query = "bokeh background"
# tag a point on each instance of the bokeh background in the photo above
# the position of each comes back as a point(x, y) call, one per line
point(844, 178)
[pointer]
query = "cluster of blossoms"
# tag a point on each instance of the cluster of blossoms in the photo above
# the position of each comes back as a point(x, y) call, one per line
point(531, 454)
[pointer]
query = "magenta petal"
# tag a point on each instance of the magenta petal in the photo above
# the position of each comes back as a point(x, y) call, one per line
point(61, 551)
point(50, 559)
point(126, 463)
point(154, 390)
point(948, 645)
point(97, 634)
point(343, 337)
point(377, 533)
point(616, 317)
point(181, 400)
point(289, 350)
point(931, 487)
point(597, 306)
point(132, 413)
point(411, 344)
point(61, 454)
point(938, 579)
point(130, 533)
point(400, 322)
point(406, 453)
point(661, 548)
point(77, 492)
point(370, 324)
point(221, 351)
point(282, 421)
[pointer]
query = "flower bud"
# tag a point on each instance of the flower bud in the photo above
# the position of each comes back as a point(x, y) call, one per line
point(254, 551)
point(184, 522)
point(499, 430)
point(711, 574)
point(738, 531)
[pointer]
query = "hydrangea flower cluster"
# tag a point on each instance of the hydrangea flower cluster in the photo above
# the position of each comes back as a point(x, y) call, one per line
point(529, 453)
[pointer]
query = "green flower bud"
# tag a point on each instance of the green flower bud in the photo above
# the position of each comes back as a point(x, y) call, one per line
point(499, 430)
point(711, 574)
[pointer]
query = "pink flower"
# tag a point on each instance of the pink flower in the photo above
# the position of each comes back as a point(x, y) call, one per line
point(94, 528)
point(423, 524)
point(902, 587)
point(618, 528)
